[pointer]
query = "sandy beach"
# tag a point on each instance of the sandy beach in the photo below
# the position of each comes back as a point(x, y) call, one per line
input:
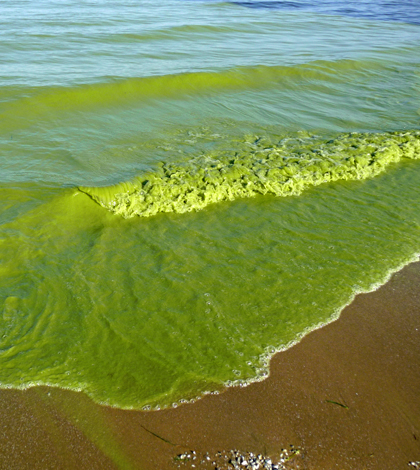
point(345, 397)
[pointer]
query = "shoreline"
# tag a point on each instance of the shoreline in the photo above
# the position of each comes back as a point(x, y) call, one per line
point(346, 396)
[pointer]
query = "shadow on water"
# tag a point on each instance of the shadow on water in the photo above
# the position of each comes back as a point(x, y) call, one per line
point(407, 11)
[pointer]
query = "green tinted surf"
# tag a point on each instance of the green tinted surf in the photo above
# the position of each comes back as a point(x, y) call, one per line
point(151, 312)
point(281, 169)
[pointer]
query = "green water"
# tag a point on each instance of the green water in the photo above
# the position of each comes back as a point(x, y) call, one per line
point(188, 187)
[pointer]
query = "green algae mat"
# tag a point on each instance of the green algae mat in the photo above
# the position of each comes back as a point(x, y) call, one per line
point(188, 187)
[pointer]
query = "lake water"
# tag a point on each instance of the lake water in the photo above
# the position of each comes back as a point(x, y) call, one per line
point(189, 186)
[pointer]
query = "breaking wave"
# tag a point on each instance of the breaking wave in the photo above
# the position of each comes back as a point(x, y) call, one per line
point(286, 167)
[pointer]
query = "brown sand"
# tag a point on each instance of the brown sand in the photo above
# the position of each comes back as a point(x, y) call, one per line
point(368, 361)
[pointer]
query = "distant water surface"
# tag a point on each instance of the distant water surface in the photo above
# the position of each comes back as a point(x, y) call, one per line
point(406, 11)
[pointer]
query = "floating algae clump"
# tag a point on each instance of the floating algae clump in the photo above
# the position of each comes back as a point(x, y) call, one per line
point(284, 168)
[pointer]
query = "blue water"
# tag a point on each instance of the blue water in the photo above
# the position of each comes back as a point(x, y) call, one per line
point(403, 11)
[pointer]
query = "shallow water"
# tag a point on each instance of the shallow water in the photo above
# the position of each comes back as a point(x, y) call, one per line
point(272, 148)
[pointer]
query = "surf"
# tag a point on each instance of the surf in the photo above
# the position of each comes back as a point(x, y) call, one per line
point(282, 168)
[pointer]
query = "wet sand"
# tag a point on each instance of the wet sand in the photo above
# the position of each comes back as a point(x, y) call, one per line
point(347, 396)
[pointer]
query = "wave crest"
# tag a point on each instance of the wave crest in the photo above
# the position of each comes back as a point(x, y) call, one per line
point(285, 168)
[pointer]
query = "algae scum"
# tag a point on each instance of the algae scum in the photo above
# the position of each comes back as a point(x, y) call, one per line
point(282, 169)
point(146, 257)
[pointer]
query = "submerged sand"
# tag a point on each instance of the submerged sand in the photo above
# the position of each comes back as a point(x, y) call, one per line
point(346, 397)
